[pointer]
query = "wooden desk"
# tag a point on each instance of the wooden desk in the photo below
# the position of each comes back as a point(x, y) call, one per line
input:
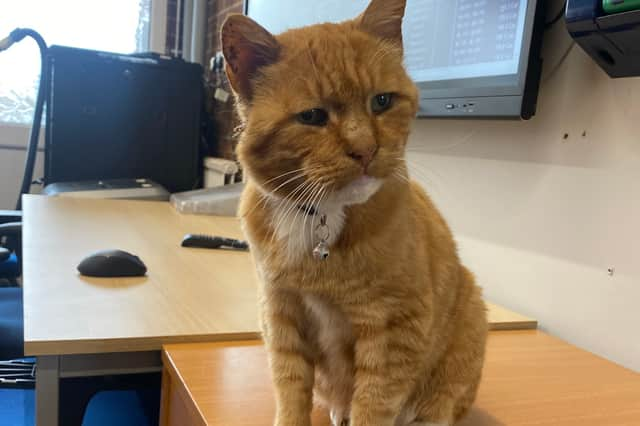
point(529, 379)
point(501, 318)
point(81, 326)
point(188, 294)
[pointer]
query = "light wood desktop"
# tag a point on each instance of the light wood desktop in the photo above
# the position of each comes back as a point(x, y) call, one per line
point(529, 379)
point(81, 326)
point(188, 294)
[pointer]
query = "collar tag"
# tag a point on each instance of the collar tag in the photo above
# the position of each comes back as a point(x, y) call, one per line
point(321, 250)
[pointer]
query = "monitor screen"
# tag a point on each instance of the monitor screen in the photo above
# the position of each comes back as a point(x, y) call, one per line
point(442, 39)
point(463, 39)
point(454, 49)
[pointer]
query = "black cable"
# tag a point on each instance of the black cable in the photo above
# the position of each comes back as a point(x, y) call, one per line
point(556, 18)
point(17, 35)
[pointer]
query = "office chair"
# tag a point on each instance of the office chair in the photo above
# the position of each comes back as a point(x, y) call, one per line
point(14, 372)
point(9, 267)
point(11, 321)
point(11, 312)
point(10, 248)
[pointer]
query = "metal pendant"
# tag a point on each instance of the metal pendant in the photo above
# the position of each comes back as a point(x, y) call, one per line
point(321, 250)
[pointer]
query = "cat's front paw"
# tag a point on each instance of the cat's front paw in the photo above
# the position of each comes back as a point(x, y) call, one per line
point(288, 421)
point(338, 420)
point(369, 421)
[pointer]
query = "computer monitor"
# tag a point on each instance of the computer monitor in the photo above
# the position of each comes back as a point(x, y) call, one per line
point(112, 116)
point(470, 58)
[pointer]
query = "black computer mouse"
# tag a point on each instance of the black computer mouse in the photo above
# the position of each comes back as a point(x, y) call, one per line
point(112, 263)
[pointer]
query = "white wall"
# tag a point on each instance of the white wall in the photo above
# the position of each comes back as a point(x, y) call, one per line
point(540, 218)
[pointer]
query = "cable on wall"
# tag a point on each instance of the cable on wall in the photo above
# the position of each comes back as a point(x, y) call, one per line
point(16, 36)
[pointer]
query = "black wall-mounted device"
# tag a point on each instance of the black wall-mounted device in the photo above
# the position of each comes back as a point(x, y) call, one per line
point(113, 116)
point(612, 40)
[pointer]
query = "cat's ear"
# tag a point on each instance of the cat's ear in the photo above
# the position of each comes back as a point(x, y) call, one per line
point(246, 47)
point(383, 18)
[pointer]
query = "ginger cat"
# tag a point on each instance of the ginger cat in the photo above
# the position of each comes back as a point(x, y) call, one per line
point(364, 302)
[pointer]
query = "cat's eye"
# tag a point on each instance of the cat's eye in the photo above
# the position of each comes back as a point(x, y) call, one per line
point(381, 102)
point(314, 117)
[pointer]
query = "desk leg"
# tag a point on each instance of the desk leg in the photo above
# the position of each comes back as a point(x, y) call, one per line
point(47, 390)
point(52, 368)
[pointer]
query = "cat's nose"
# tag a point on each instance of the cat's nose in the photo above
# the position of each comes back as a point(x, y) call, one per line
point(363, 155)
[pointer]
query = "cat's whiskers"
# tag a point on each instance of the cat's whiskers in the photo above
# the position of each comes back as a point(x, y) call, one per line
point(415, 165)
point(302, 201)
point(423, 175)
point(308, 186)
point(284, 205)
point(400, 176)
point(402, 171)
point(265, 196)
point(301, 169)
point(291, 206)
point(428, 178)
point(274, 192)
point(400, 163)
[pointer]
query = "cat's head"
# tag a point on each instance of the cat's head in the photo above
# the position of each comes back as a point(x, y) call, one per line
point(323, 107)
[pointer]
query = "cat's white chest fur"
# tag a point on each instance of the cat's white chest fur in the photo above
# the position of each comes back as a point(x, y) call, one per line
point(297, 223)
point(332, 334)
point(333, 338)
